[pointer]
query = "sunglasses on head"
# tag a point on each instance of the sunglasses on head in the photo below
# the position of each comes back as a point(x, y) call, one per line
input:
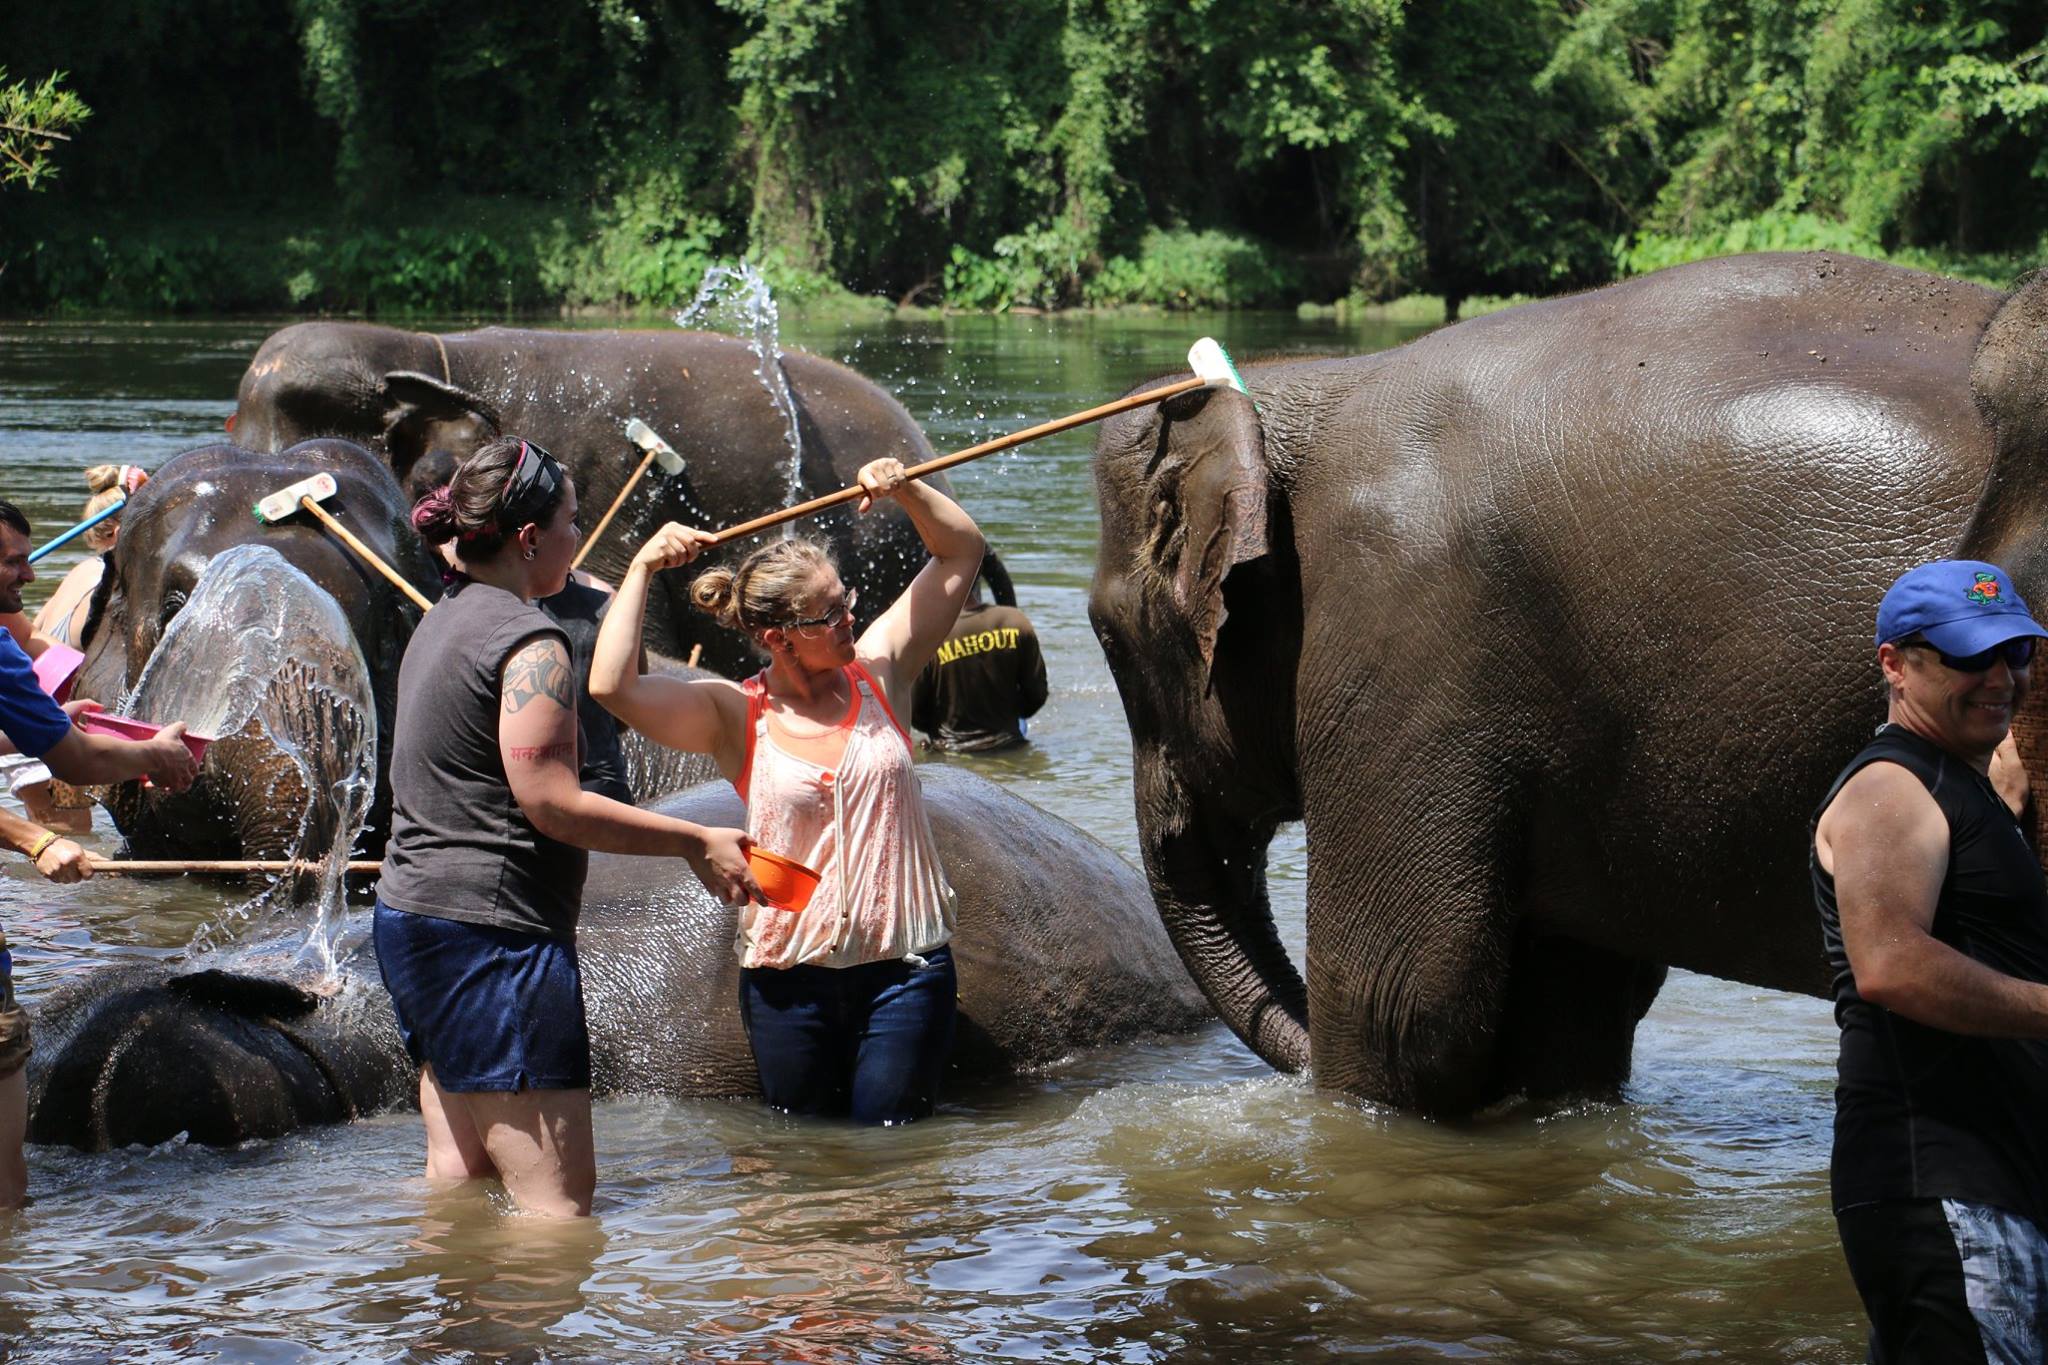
point(2017, 653)
point(534, 480)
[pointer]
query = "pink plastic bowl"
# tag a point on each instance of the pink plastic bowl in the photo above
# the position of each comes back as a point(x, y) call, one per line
point(122, 727)
point(56, 667)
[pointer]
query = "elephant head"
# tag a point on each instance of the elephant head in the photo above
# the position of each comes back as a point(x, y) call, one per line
point(339, 629)
point(1196, 599)
point(376, 385)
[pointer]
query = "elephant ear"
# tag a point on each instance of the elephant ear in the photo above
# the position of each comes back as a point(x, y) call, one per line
point(417, 410)
point(1206, 486)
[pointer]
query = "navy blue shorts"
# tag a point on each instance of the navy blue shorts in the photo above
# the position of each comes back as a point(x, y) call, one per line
point(488, 1008)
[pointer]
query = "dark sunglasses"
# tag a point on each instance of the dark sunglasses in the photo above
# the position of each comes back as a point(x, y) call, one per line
point(534, 481)
point(2017, 653)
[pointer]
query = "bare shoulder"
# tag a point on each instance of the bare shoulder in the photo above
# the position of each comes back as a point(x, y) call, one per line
point(1882, 806)
point(728, 696)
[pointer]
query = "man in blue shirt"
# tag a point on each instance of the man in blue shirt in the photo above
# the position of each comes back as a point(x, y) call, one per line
point(31, 723)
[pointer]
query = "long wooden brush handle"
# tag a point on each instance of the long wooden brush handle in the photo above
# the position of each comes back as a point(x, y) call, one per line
point(369, 555)
point(1015, 438)
point(171, 867)
point(612, 511)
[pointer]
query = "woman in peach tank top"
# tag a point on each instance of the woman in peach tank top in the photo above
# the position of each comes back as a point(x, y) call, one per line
point(849, 1003)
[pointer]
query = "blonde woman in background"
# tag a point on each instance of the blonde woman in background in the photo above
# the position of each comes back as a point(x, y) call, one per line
point(62, 618)
point(61, 621)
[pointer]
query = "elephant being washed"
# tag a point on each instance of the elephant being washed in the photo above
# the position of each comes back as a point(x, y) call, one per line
point(298, 621)
point(406, 393)
point(1057, 950)
point(344, 638)
point(1552, 627)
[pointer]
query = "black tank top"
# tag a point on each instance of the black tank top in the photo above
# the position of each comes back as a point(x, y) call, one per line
point(1921, 1113)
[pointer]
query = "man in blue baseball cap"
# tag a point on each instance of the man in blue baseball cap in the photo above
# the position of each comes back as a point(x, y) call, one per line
point(1934, 912)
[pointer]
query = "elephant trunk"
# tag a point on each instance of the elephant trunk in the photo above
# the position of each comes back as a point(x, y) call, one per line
point(1208, 878)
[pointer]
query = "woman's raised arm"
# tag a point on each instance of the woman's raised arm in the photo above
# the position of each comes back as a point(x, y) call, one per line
point(705, 715)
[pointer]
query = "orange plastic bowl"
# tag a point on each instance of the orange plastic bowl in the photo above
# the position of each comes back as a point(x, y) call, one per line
point(785, 883)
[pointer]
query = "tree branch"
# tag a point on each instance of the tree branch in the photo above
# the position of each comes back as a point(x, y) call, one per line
point(34, 132)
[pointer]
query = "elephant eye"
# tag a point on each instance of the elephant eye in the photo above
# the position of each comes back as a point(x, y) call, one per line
point(173, 603)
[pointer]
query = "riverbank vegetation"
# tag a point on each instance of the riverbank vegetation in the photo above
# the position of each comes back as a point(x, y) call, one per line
point(378, 156)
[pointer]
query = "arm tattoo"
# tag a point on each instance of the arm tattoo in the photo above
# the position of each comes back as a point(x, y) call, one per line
point(543, 753)
point(541, 669)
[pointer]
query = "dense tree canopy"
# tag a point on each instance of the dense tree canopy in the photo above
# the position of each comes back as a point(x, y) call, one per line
point(424, 154)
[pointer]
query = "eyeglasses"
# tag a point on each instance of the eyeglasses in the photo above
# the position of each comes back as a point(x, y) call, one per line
point(2017, 653)
point(844, 611)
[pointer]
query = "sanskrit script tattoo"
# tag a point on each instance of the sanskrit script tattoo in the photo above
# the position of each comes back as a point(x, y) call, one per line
point(543, 753)
point(541, 669)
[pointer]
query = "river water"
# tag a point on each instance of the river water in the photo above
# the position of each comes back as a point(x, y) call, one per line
point(1168, 1200)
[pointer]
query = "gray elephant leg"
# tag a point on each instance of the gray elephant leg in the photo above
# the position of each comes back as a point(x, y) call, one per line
point(1428, 987)
point(1569, 1022)
point(1408, 956)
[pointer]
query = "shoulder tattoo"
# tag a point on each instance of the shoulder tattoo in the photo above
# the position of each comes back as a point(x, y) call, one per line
point(539, 669)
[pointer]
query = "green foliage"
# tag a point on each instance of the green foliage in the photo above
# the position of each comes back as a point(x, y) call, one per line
point(395, 155)
point(646, 249)
point(1183, 269)
point(1027, 269)
point(33, 119)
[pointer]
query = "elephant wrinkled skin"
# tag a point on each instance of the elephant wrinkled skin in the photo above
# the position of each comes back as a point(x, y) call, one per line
point(405, 393)
point(1057, 950)
point(1553, 627)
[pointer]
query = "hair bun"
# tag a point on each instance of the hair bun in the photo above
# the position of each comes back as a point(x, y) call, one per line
point(434, 517)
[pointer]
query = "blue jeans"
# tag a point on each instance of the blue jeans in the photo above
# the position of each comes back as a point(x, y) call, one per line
point(868, 1042)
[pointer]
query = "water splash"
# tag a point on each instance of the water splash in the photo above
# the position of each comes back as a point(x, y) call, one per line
point(737, 299)
point(262, 657)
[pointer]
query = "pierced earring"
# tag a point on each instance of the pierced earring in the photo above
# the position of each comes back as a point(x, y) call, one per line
point(529, 554)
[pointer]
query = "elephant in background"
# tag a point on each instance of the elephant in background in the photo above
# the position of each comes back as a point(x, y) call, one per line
point(1057, 950)
point(247, 800)
point(1553, 627)
point(404, 394)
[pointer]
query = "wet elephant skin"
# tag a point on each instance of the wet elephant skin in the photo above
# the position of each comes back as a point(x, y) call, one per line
point(1057, 950)
point(404, 394)
point(194, 508)
point(1553, 627)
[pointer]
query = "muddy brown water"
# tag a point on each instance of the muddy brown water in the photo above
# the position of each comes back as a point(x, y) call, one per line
point(1168, 1200)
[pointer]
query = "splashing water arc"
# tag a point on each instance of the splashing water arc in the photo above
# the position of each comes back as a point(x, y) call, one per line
point(738, 299)
point(262, 656)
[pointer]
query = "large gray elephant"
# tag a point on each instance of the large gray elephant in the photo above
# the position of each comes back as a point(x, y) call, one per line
point(252, 794)
point(1553, 628)
point(406, 393)
point(1057, 950)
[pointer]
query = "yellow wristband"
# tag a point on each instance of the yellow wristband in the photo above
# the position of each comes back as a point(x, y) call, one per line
point(41, 845)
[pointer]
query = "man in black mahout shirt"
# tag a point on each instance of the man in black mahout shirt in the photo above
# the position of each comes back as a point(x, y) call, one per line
point(1934, 913)
point(985, 680)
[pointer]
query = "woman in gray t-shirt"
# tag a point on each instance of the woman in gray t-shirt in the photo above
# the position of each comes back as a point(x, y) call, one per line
point(483, 877)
